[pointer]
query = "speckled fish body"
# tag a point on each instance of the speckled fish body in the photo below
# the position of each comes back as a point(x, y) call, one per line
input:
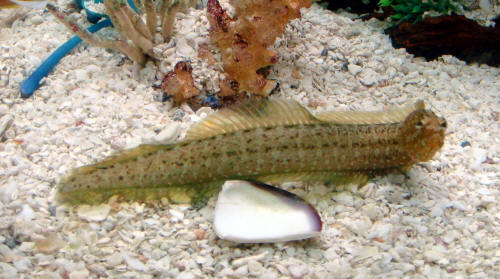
point(273, 141)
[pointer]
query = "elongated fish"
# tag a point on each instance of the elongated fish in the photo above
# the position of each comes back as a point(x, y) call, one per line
point(34, 4)
point(266, 140)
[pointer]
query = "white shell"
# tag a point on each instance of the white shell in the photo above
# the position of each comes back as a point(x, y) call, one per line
point(250, 212)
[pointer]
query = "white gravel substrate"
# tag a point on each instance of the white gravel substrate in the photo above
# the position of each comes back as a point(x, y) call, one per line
point(443, 222)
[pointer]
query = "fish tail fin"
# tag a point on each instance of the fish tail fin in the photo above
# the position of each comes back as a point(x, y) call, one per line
point(96, 183)
point(196, 195)
point(33, 4)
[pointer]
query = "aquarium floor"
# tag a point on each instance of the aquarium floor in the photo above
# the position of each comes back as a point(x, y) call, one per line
point(442, 222)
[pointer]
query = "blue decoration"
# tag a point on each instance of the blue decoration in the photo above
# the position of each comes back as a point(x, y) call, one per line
point(32, 83)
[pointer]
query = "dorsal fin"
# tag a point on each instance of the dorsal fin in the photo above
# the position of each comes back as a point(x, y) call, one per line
point(392, 115)
point(250, 115)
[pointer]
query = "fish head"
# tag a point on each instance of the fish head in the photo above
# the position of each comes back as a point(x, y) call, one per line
point(423, 134)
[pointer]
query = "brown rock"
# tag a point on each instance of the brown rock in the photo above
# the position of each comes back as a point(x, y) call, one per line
point(179, 83)
point(50, 245)
point(454, 35)
point(200, 234)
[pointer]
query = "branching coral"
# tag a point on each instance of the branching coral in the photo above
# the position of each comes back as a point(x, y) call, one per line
point(137, 35)
point(244, 40)
point(179, 83)
point(414, 10)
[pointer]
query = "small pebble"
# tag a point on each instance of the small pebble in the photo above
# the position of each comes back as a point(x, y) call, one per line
point(5, 123)
point(368, 77)
point(437, 211)
point(486, 5)
point(354, 69)
point(8, 271)
point(298, 271)
point(176, 215)
point(114, 259)
point(134, 263)
point(315, 254)
point(79, 274)
point(371, 211)
point(185, 275)
point(51, 244)
point(52, 210)
point(4, 109)
point(433, 256)
point(344, 198)
point(27, 213)
point(478, 157)
point(80, 75)
point(11, 242)
point(269, 274)
point(241, 271)
point(23, 265)
point(36, 19)
point(254, 268)
point(465, 144)
point(169, 134)
point(474, 103)
point(96, 213)
point(200, 234)
point(360, 227)
point(183, 49)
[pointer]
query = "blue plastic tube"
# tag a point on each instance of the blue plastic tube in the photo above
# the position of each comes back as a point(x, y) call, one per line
point(33, 81)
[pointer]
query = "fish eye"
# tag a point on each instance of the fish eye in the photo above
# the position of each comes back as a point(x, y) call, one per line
point(419, 124)
point(443, 124)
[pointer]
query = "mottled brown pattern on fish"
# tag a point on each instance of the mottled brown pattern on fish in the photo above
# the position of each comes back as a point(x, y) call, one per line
point(247, 154)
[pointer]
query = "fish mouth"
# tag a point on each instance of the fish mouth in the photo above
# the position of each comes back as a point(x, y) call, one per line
point(434, 143)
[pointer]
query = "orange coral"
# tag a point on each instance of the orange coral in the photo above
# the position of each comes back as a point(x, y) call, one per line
point(205, 53)
point(244, 40)
point(179, 83)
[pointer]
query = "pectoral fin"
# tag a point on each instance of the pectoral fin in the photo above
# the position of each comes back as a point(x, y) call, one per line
point(196, 195)
point(330, 178)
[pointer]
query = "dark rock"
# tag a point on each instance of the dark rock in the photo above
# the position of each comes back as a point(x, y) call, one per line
point(52, 210)
point(324, 52)
point(354, 6)
point(11, 242)
point(454, 35)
